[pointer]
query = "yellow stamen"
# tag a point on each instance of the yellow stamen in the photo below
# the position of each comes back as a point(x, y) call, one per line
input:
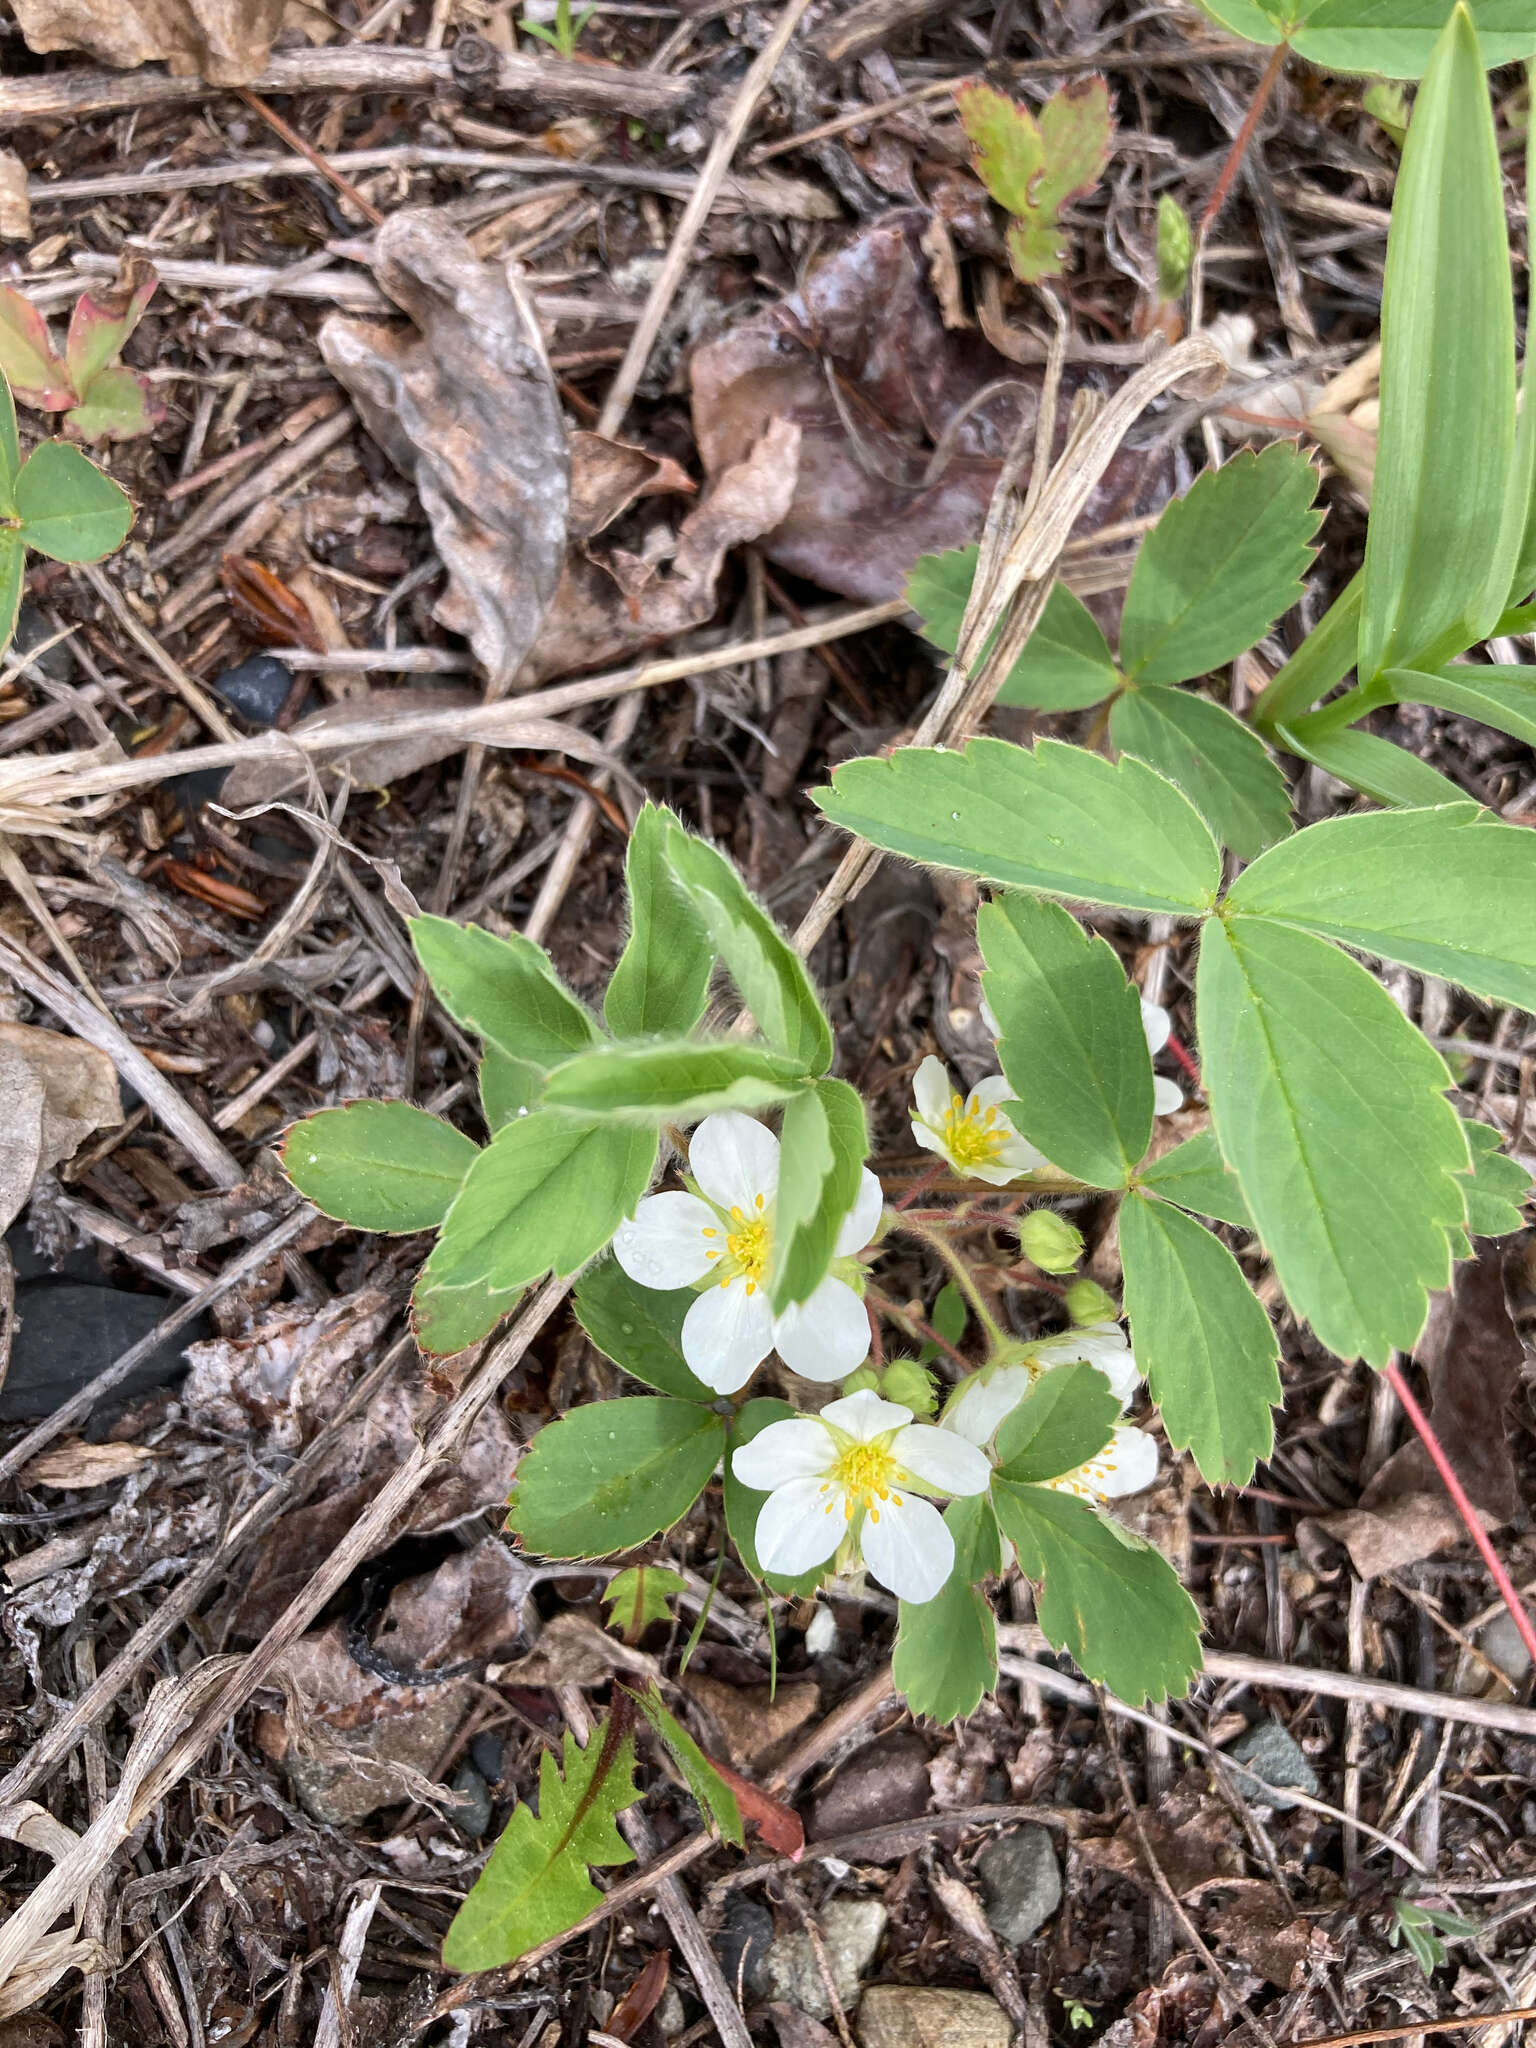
point(867, 1474)
point(972, 1136)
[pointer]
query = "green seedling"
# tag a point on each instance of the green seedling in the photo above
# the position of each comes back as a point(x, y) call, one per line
point(100, 398)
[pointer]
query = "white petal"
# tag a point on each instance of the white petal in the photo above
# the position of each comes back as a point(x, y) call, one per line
point(930, 1140)
point(864, 1416)
point(1156, 1023)
point(1019, 1154)
point(727, 1334)
point(860, 1223)
point(938, 1461)
point(735, 1159)
point(1126, 1465)
point(1167, 1096)
point(989, 1018)
point(980, 1405)
point(801, 1524)
point(796, 1448)
point(989, 1093)
point(908, 1549)
point(931, 1090)
point(664, 1242)
point(827, 1337)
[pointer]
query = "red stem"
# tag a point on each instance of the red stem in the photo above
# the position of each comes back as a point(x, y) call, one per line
point(1463, 1507)
point(1182, 1054)
point(1244, 135)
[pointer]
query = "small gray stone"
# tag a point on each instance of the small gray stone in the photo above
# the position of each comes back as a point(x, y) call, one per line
point(912, 2016)
point(257, 688)
point(850, 1934)
point(745, 1937)
point(36, 629)
point(1020, 1882)
point(671, 2019)
point(472, 1812)
point(1275, 1767)
point(1501, 1642)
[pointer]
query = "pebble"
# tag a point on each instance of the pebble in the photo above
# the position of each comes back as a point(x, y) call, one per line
point(471, 1810)
point(257, 688)
point(850, 1933)
point(32, 629)
point(908, 2016)
point(1500, 1640)
point(67, 1332)
point(1275, 1766)
point(886, 1782)
point(744, 1939)
point(1020, 1882)
point(671, 2017)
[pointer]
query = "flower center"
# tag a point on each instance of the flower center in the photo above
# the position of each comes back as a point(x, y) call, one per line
point(867, 1474)
point(748, 1242)
point(972, 1136)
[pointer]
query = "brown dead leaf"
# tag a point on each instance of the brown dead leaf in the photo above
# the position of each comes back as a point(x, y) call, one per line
point(74, 1465)
point(1192, 1836)
point(753, 1719)
point(54, 1091)
point(225, 41)
point(571, 1650)
point(1267, 1934)
point(778, 1825)
point(607, 477)
point(1471, 1354)
point(289, 1376)
point(466, 406)
point(860, 360)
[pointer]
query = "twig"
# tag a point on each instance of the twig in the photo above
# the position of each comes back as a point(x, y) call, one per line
point(192, 694)
point(1365, 2035)
point(311, 155)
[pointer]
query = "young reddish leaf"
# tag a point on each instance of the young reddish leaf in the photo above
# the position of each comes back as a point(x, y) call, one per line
point(117, 406)
point(100, 324)
point(779, 1825)
point(34, 372)
point(1032, 168)
point(1006, 142)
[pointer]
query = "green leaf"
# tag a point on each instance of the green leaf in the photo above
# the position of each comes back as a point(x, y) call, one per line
point(1032, 167)
point(27, 359)
point(946, 1648)
point(1396, 38)
point(676, 1081)
point(822, 1150)
point(69, 509)
point(1193, 1176)
point(1504, 698)
point(1065, 1419)
point(1447, 374)
point(1223, 563)
point(1320, 663)
point(1449, 891)
point(638, 1596)
point(743, 1504)
point(547, 1192)
point(1380, 768)
point(1256, 21)
point(716, 1800)
point(1067, 664)
point(10, 450)
point(613, 1474)
point(98, 329)
point(661, 983)
point(445, 1320)
point(12, 574)
point(1221, 765)
point(503, 990)
point(769, 974)
point(1202, 1338)
point(117, 407)
point(507, 1086)
point(535, 1885)
point(639, 1328)
point(1329, 1108)
point(379, 1165)
point(1175, 248)
point(1109, 1600)
point(1051, 818)
point(1498, 1186)
point(1070, 1039)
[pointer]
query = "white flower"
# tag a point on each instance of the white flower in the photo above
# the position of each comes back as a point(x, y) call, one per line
point(970, 1131)
point(1127, 1464)
point(1104, 1345)
point(1128, 1461)
point(1167, 1096)
point(677, 1240)
point(851, 1472)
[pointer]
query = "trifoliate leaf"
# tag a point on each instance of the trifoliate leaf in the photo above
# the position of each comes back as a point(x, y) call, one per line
point(1221, 765)
point(946, 1648)
point(639, 1328)
point(1065, 1419)
point(822, 1150)
point(661, 983)
point(1329, 1108)
point(613, 1474)
point(1067, 664)
point(1050, 818)
point(1070, 1039)
point(1202, 1338)
point(505, 991)
point(378, 1165)
point(1390, 38)
point(69, 509)
point(449, 1319)
point(28, 360)
point(638, 1596)
point(1032, 168)
point(1194, 1176)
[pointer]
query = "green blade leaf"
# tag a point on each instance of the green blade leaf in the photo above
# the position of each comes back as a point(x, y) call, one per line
point(1202, 1338)
point(69, 509)
point(743, 1504)
point(1449, 891)
point(1051, 818)
point(547, 1192)
point(1109, 1600)
point(822, 1151)
point(639, 1328)
point(613, 1474)
point(10, 450)
point(1193, 1176)
point(1329, 1108)
point(716, 1800)
point(1223, 563)
point(445, 1320)
point(1396, 38)
point(12, 575)
point(769, 975)
point(1320, 663)
point(379, 1165)
point(1221, 765)
point(1498, 1186)
point(1067, 664)
point(1447, 374)
point(1065, 1419)
point(1070, 1039)
point(661, 983)
point(535, 1885)
point(638, 1596)
point(1380, 768)
point(946, 1648)
point(677, 1081)
point(1504, 698)
point(503, 990)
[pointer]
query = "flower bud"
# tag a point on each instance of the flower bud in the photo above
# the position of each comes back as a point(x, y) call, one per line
point(906, 1381)
point(865, 1380)
point(1088, 1303)
point(1050, 1242)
